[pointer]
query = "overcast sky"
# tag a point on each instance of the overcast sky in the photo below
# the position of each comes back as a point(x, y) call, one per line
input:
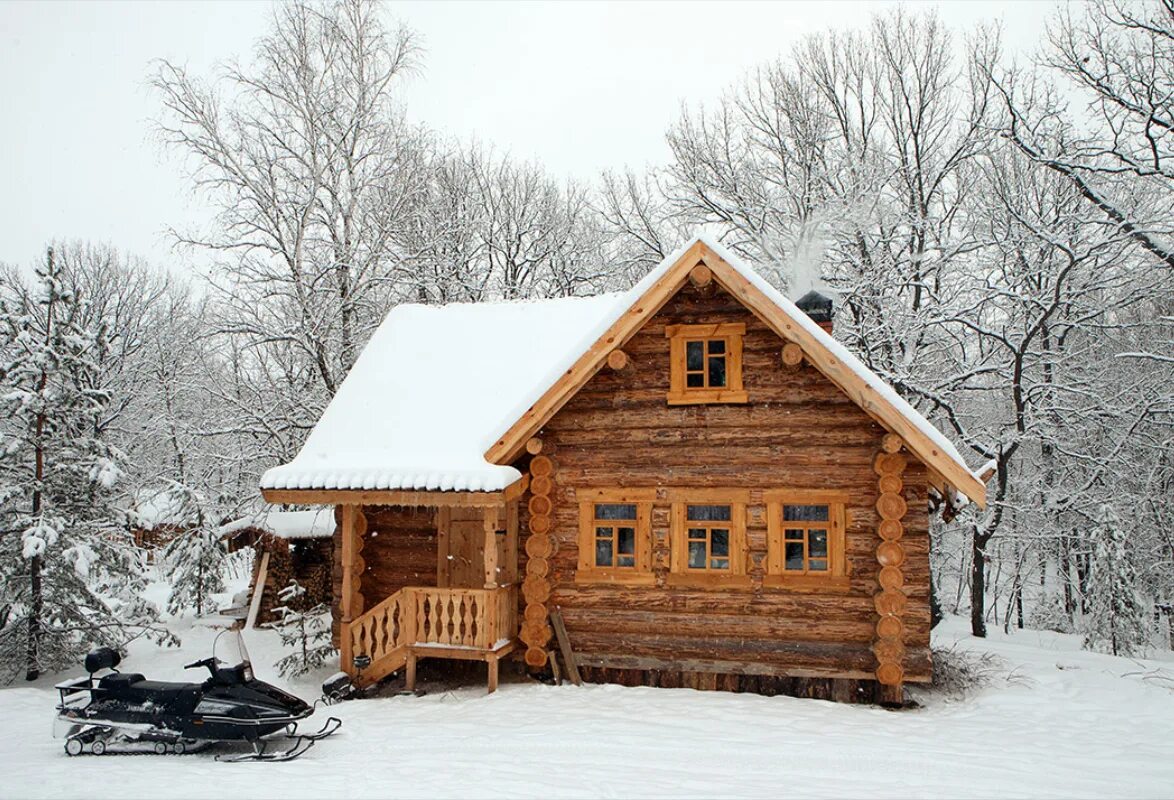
point(579, 86)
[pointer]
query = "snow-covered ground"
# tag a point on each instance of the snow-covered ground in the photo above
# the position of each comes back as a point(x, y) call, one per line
point(1062, 723)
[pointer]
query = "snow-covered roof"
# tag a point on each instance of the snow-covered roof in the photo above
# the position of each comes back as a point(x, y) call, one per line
point(317, 524)
point(438, 385)
point(429, 391)
point(153, 508)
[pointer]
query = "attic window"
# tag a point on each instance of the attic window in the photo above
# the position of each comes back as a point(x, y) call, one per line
point(705, 363)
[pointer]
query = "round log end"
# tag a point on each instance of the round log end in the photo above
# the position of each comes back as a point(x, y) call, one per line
point(540, 526)
point(700, 276)
point(542, 485)
point(890, 673)
point(887, 650)
point(541, 466)
point(890, 554)
point(891, 579)
point(792, 355)
point(534, 446)
point(538, 567)
point(891, 443)
point(540, 504)
point(890, 463)
point(890, 602)
point(891, 530)
point(890, 627)
point(535, 657)
point(617, 359)
point(891, 506)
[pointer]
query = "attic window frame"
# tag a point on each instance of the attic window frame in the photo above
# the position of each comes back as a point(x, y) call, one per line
point(679, 336)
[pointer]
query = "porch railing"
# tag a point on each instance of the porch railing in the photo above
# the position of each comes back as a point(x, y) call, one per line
point(474, 619)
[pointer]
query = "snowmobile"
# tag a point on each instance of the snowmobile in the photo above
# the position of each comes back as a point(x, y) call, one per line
point(124, 712)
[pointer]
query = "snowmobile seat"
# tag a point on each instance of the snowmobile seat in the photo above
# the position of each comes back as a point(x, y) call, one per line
point(119, 680)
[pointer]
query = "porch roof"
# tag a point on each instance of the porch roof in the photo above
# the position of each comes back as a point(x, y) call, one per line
point(430, 391)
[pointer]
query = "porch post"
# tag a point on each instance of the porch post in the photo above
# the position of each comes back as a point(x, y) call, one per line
point(346, 604)
point(492, 515)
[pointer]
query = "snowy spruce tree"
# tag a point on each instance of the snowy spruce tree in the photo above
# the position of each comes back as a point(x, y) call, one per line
point(1116, 617)
point(194, 561)
point(69, 575)
point(307, 631)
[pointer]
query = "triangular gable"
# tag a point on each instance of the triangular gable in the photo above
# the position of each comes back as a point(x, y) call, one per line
point(860, 384)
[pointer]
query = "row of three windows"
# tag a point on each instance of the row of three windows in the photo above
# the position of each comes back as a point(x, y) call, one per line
point(709, 538)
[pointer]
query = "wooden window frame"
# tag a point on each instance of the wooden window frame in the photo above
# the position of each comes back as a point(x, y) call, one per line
point(732, 334)
point(641, 573)
point(836, 578)
point(679, 572)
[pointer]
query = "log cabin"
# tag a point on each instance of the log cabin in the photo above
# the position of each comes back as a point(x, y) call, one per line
point(692, 480)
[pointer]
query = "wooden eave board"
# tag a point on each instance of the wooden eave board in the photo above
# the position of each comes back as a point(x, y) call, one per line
point(510, 445)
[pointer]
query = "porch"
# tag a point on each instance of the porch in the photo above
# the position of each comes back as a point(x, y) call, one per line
point(431, 622)
point(470, 614)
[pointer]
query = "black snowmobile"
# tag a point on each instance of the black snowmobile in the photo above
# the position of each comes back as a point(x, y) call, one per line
point(132, 714)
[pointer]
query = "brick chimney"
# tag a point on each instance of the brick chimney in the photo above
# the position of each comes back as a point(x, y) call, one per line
point(818, 307)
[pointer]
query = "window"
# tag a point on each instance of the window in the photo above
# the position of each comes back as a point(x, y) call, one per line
point(705, 363)
point(709, 537)
point(806, 539)
point(615, 536)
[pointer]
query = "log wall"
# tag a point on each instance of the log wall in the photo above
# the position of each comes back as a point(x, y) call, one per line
point(798, 431)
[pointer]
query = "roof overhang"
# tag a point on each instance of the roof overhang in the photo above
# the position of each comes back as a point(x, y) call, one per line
point(395, 497)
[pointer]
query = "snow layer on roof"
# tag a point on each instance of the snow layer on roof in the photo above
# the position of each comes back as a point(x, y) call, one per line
point(417, 408)
point(437, 386)
point(154, 508)
point(317, 524)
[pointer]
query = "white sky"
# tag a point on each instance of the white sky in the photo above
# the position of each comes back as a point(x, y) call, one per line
point(580, 86)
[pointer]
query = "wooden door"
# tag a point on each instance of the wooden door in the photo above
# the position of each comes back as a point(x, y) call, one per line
point(461, 548)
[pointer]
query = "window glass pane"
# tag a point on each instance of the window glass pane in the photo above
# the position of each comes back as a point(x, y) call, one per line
point(817, 544)
point(615, 511)
point(717, 346)
point(695, 380)
point(719, 563)
point(720, 544)
point(603, 553)
point(794, 555)
point(806, 513)
point(817, 564)
point(626, 543)
point(696, 555)
point(625, 561)
point(698, 533)
point(717, 371)
point(694, 355)
point(709, 513)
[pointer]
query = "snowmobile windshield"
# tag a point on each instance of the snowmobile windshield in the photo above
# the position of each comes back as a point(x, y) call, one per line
point(229, 650)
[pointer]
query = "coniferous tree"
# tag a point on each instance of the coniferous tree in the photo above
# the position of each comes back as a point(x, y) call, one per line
point(1117, 615)
point(194, 561)
point(307, 631)
point(69, 577)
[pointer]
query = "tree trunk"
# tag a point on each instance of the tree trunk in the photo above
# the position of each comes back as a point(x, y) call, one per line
point(36, 601)
point(978, 586)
